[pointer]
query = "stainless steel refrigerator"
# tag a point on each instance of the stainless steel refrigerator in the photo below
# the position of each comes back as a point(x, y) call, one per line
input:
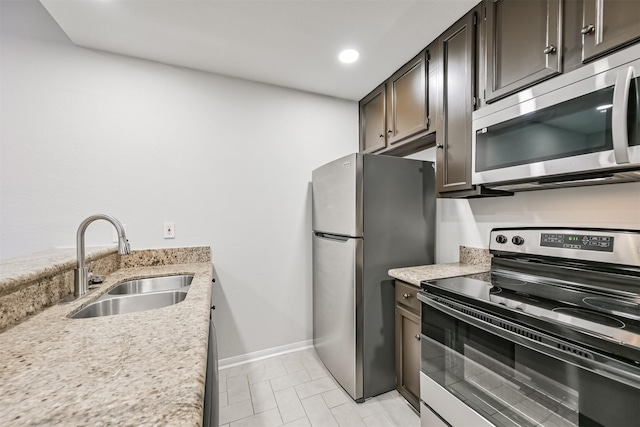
point(370, 213)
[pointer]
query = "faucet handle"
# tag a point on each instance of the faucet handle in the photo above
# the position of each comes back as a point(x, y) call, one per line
point(96, 279)
point(90, 272)
point(93, 279)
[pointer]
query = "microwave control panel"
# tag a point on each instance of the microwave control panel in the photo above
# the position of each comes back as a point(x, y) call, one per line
point(577, 241)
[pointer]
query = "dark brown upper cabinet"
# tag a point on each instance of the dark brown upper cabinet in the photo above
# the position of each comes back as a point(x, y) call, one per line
point(523, 44)
point(457, 66)
point(396, 113)
point(407, 100)
point(497, 49)
point(608, 24)
point(373, 123)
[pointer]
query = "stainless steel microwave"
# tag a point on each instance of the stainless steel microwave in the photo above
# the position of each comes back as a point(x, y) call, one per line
point(580, 128)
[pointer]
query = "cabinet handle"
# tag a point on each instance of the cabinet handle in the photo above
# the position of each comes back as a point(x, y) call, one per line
point(588, 29)
point(381, 135)
point(406, 296)
point(417, 337)
point(439, 145)
point(389, 131)
point(549, 49)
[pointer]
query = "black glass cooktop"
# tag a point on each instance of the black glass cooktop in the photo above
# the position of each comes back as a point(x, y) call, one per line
point(598, 318)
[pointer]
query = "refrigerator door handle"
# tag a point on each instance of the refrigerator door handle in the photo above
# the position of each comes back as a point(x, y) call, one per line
point(331, 236)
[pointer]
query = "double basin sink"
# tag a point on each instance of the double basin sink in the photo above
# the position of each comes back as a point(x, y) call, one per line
point(139, 295)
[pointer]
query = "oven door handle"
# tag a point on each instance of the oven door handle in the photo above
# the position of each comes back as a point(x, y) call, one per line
point(540, 342)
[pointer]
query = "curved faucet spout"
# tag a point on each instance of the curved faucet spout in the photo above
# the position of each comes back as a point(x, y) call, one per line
point(81, 279)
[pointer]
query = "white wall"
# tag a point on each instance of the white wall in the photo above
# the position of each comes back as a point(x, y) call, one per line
point(229, 161)
point(468, 222)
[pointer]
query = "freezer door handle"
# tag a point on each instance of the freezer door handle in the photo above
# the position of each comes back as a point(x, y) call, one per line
point(330, 236)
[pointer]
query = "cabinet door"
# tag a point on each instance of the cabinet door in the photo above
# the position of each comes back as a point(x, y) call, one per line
point(407, 296)
point(407, 100)
point(523, 44)
point(373, 121)
point(408, 355)
point(608, 24)
point(433, 86)
point(453, 138)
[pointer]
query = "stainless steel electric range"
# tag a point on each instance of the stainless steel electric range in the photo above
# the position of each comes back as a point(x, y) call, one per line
point(552, 339)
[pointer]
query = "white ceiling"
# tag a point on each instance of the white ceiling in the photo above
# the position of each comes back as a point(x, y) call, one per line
point(290, 43)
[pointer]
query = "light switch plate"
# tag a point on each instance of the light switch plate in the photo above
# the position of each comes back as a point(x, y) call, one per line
point(169, 231)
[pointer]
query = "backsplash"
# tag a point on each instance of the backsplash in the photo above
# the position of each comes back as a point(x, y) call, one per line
point(154, 257)
point(478, 256)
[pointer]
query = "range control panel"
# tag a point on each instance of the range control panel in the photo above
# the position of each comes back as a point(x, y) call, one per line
point(600, 245)
point(577, 241)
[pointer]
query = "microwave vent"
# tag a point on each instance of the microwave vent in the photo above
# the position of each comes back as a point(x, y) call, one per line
point(569, 181)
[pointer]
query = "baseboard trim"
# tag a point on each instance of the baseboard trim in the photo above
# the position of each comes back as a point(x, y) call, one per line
point(230, 362)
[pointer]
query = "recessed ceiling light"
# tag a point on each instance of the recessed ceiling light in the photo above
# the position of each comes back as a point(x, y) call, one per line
point(349, 55)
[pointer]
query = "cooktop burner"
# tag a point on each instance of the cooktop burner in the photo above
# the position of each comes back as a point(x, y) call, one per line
point(614, 305)
point(550, 315)
point(590, 316)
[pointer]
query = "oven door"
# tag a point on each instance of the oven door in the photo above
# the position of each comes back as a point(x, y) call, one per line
point(479, 369)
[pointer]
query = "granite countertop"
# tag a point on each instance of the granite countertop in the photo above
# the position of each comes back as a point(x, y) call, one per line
point(16, 271)
point(472, 261)
point(144, 368)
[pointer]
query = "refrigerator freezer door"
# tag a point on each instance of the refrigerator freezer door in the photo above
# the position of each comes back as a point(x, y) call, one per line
point(336, 295)
point(337, 197)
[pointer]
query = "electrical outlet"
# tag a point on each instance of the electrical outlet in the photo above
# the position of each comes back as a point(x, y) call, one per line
point(114, 233)
point(169, 231)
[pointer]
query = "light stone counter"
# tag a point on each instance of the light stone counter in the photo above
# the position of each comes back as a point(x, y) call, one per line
point(472, 261)
point(17, 271)
point(135, 369)
point(30, 283)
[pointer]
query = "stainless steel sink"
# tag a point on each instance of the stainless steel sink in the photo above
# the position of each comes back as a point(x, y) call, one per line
point(152, 284)
point(110, 305)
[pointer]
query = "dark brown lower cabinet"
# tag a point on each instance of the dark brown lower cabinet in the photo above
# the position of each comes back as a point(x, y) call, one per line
point(408, 343)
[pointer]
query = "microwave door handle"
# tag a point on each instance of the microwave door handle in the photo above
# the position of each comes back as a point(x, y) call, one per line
point(619, 130)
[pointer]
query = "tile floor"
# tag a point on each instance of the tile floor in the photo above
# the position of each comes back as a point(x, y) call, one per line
point(296, 390)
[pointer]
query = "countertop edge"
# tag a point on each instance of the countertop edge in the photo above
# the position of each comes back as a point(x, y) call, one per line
point(472, 261)
point(415, 275)
point(14, 272)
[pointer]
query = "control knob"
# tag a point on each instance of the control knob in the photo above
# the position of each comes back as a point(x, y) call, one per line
point(501, 238)
point(517, 240)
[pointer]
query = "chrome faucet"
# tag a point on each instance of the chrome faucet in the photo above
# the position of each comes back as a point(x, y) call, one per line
point(82, 275)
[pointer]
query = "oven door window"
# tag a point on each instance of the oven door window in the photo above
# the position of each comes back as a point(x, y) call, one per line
point(512, 385)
